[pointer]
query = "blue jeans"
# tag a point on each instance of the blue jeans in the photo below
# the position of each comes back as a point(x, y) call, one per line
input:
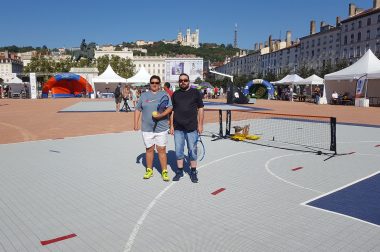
point(191, 138)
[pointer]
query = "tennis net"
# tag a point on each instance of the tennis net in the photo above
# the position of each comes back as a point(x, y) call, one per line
point(298, 132)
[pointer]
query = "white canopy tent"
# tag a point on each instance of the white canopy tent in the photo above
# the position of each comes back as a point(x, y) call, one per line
point(290, 79)
point(344, 81)
point(107, 81)
point(141, 78)
point(314, 80)
point(17, 85)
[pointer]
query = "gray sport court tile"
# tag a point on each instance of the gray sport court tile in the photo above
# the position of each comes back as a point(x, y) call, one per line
point(92, 186)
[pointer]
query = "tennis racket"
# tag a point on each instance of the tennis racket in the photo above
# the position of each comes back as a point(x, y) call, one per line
point(162, 105)
point(200, 148)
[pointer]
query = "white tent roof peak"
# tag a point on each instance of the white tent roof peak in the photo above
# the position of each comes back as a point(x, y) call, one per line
point(313, 79)
point(368, 65)
point(289, 79)
point(142, 76)
point(15, 80)
point(109, 76)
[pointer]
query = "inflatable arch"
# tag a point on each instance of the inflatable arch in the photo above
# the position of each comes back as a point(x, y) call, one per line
point(269, 87)
point(66, 85)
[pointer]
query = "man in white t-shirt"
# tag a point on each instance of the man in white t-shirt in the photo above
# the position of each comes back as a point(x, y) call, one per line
point(334, 97)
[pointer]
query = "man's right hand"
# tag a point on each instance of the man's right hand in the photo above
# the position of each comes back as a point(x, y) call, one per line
point(136, 127)
point(171, 131)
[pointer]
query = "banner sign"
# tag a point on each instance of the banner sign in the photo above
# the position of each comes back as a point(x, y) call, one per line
point(361, 87)
point(33, 86)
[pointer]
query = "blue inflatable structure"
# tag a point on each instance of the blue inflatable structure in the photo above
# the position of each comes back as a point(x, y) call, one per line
point(267, 84)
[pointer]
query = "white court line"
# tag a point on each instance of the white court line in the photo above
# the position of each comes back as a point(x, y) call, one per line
point(284, 180)
point(140, 222)
point(338, 189)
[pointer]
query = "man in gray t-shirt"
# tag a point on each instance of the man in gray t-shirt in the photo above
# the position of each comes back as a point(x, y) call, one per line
point(154, 127)
point(147, 104)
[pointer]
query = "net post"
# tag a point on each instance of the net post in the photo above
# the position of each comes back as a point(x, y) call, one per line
point(333, 134)
point(220, 123)
point(228, 123)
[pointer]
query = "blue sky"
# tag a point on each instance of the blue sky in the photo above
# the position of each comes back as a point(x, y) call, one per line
point(64, 23)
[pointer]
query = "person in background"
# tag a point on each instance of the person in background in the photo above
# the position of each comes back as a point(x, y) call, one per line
point(167, 89)
point(134, 96)
point(317, 94)
point(118, 97)
point(335, 97)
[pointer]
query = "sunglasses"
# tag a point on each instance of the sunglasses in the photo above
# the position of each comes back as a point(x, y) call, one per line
point(154, 82)
point(183, 81)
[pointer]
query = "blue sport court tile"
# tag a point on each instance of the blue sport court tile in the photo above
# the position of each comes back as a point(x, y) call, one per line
point(360, 200)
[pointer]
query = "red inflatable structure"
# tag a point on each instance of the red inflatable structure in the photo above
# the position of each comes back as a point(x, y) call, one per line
point(66, 85)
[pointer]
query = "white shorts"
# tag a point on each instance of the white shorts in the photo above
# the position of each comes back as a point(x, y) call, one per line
point(151, 138)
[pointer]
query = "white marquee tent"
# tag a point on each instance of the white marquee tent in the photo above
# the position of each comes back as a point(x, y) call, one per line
point(345, 80)
point(140, 78)
point(107, 81)
point(289, 79)
point(314, 80)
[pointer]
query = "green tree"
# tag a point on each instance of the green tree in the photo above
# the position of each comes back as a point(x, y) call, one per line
point(198, 80)
point(326, 69)
point(270, 76)
point(341, 64)
point(121, 66)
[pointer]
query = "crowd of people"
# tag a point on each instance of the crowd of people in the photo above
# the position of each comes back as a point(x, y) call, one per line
point(7, 92)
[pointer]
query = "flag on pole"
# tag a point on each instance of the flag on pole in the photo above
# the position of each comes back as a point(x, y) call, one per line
point(361, 87)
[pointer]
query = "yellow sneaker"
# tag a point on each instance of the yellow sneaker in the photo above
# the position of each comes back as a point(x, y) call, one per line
point(165, 176)
point(149, 173)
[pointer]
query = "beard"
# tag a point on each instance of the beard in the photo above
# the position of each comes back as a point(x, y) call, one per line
point(184, 87)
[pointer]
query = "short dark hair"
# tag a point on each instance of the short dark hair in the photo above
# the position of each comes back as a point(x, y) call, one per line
point(155, 77)
point(183, 74)
point(167, 84)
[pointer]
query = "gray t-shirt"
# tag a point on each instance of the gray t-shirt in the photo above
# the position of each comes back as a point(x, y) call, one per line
point(148, 103)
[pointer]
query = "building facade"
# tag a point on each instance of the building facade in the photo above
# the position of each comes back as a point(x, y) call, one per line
point(10, 65)
point(347, 41)
point(190, 39)
point(125, 53)
point(155, 65)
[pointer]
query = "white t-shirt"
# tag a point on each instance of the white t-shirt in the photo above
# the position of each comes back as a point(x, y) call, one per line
point(334, 95)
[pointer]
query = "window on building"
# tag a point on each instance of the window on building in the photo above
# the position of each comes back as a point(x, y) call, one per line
point(378, 33)
point(378, 19)
point(345, 40)
point(360, 24)
point(358, 54)
point(359, 36)
point(346, 28)
point(148, 65)
point(312, 53)
point(366, 47)
point(158, 71)
point(368, 34)
point(369, 21)
point(352, 26)
point(352, 38)
point(378, 47)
